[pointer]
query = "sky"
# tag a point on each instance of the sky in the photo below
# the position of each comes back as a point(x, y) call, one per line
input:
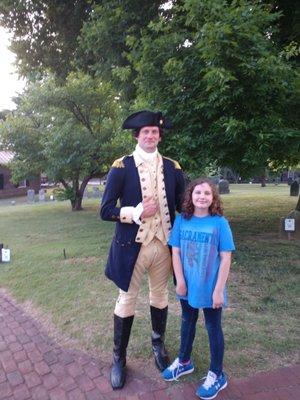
point(10, 85)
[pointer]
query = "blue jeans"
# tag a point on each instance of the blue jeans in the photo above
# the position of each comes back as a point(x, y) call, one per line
point(213, 317)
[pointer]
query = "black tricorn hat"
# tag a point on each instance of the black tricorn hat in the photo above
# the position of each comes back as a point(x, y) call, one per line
point(146, 118)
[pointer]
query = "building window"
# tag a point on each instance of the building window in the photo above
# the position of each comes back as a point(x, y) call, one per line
point(1, 181)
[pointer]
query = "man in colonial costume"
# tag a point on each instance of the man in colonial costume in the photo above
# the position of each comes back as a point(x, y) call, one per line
point(148, 188)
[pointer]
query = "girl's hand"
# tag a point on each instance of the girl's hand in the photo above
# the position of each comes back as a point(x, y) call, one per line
point(218, 299)
point(181, 288)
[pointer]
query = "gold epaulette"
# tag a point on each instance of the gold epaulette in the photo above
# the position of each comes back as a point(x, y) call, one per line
point(118, 163)
point(176, 163)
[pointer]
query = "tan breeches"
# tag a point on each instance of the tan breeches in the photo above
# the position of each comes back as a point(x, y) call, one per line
point(154, 258)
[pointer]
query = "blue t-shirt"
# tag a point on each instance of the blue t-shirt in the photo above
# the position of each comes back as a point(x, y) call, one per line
point(201, 239)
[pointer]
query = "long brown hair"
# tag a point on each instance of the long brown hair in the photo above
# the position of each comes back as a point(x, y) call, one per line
point(188, 207)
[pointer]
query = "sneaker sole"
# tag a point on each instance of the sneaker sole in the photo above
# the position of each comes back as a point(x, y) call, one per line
point(215, 395)
point(179, 375)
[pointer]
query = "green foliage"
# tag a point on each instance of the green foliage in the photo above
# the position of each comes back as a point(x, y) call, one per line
point(104, 42)
point(288, 24)
point(44, 33)
point(291, 50)
point(70, 132)
point(212, 67)
point(64, 193)
point(3, 114)
point(224, 72)
point(19, 133)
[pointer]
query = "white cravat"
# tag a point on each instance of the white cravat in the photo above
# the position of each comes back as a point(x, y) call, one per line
point(144, 155)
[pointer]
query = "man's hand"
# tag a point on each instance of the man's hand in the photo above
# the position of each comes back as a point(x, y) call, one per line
point(150, 207)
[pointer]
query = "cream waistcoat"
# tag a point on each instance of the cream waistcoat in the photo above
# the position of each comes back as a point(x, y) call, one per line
point(152, 185)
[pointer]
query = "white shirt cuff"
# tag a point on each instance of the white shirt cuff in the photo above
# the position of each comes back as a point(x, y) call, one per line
point(128, 215)
point(137, 212)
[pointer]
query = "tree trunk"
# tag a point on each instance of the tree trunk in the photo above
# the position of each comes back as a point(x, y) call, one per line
point(298, 205)
point(263, 181)
point(77, 202)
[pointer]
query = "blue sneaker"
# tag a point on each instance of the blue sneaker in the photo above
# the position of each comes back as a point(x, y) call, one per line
point(212, 386)
point(176, 369)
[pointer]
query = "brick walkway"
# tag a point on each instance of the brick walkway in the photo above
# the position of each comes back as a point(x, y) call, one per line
point(33, 366)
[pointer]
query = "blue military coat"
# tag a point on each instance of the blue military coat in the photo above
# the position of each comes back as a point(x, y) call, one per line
point(123, 186)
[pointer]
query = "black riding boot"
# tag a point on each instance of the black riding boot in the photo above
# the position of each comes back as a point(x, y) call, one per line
point(159, 322)
point(122, 328)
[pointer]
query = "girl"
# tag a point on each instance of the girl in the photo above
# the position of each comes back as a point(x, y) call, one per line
point(202, 243)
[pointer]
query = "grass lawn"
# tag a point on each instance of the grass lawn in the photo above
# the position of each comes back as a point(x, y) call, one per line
point(73, 296)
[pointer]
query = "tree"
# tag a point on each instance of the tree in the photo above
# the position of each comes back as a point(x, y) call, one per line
point(3, 114)
point(288, 23)
point(212, 67)
point(69, 132)
point(104, 41)
point(220, 69)
point(44, 33)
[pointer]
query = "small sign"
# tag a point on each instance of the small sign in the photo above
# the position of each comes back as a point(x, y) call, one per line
point(289, 224)
point(5, 255)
